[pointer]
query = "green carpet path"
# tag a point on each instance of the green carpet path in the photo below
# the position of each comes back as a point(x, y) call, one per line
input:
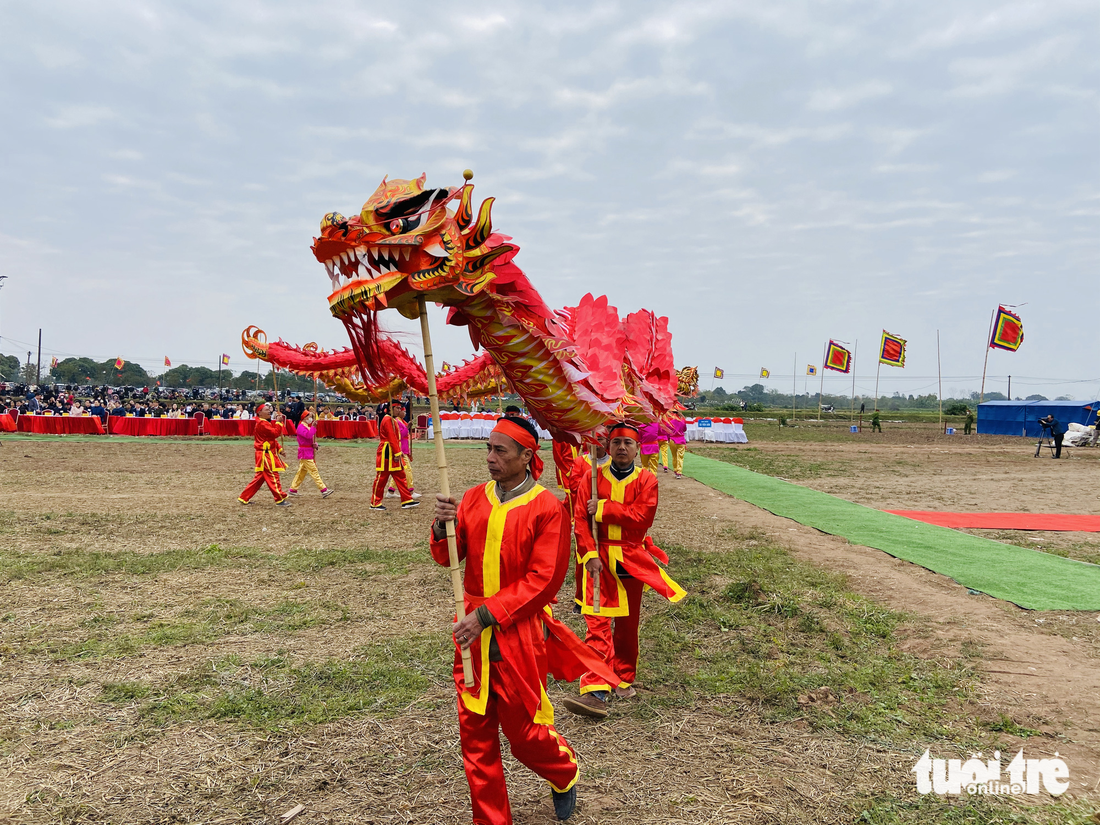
point(1028, 578)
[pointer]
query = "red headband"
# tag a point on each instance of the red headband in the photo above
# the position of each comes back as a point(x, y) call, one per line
point(520, 435)
point(622, 431)
point(260, 408)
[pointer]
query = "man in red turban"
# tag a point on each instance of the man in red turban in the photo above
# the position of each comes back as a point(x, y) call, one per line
point(514, 535)
point(625, 563)
point(269, 461)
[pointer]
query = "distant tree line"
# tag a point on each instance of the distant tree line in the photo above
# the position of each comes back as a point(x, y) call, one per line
point(99, 373)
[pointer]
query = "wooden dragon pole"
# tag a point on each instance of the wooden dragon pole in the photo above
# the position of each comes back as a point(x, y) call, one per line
point(444, 486)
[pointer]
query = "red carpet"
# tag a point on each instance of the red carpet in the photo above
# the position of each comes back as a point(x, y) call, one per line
point(1006, 521)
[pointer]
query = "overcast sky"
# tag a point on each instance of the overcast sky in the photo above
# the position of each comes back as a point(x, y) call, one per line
point(767, 175)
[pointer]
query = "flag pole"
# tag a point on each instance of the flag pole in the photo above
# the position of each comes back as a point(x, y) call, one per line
point(855, 353)
point(878, 372)
point(939, 376)
point(794, 388)
point(988, 338)
point(821, 387)
point(444, 486)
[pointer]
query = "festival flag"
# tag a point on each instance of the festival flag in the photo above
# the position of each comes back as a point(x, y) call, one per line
point(719, 372)
point(838, 358)
point(892, 350)
point(764, 373)
point(225, 360)
point(447, 367)
point(119, 363)
point(167, 363)
point(53, 362)
point(811, 369)
point(1008, 331)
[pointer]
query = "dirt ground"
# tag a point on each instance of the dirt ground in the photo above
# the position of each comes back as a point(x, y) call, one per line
point(67, 756)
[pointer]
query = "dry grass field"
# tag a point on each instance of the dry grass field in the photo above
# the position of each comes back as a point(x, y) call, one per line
point(168, 656)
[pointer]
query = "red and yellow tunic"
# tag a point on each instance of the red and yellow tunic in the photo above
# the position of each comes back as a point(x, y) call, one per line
point(267, 446)
point(389, 445)
point(564, 453)
point(516, 558)
point(624, 516)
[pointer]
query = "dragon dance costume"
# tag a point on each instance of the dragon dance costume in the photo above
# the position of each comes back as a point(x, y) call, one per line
point(517, 553)
point(389, 462)
point(627, 506)
point(677, 440)
point(269, 462)
point(648, 446)
point(564, 453)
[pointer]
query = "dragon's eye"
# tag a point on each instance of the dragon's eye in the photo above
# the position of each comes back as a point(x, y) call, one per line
point(397, 226)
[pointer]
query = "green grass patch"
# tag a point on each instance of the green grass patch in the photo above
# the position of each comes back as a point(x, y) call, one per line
point(792, 638)
point(15, 564)
point(274, 693)
point(779, 465)
point(967, 810)
point(201, 624)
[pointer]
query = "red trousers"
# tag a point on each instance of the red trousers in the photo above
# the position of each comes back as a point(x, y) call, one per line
point(538, 746)
point(399, 478)
point(618, 646)
point(269, 477)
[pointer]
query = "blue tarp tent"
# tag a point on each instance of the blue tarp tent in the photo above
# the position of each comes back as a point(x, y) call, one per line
point(1022, 417)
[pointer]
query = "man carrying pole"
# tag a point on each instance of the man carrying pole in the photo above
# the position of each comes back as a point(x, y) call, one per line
point(269, 461)
point(390, 461)
point(623, 508)
point(514, 535)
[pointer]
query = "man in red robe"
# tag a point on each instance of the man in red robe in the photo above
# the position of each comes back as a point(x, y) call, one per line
point(390, 462)
point(269, 461)
point(625, 563)
point(514, 535)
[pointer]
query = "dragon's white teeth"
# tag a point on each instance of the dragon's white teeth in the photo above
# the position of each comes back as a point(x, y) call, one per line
point(330, 266)
point(405, 250)
point(345, 256)
point(361, 254)
point(436, 250)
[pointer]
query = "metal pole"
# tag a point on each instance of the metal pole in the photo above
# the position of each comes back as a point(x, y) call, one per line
point(1010, 388)
point(855, 354)
point(444, 486)
point(988, 338)
point(939, 376)
point(38, 374)
point(794, 390)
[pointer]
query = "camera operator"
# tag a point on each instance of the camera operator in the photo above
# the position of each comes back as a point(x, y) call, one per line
point(1057, 430)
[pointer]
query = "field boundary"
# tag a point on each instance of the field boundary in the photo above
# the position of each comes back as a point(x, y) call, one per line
point(1028, 578)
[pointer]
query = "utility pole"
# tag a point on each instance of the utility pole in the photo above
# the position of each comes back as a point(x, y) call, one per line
point(38, 374)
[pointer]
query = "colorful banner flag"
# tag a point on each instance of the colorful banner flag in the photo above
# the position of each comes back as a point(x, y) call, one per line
point(446, 367)
point(1008, 331)
point(719, 372)
point(225, 360)
point(167, 363)
point(764, 373)
point(838, 358)
point(53, 362)
point(892, 350)
point(811, 369)
point(119, 363)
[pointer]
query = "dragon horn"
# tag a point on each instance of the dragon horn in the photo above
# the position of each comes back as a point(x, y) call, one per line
point(484, 226)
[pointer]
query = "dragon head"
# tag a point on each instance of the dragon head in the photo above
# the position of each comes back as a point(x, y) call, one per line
point(405, 243)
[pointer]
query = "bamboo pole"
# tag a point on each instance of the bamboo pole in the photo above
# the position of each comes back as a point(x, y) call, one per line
point(444, 487)
point(878, 371)
point(595, 527)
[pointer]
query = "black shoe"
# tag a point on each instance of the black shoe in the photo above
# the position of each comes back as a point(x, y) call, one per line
point(378, 507)
point(565, 803)
point(577, 608)
point(406, 505)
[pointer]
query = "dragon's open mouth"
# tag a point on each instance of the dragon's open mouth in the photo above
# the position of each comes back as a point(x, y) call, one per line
point(364, 276)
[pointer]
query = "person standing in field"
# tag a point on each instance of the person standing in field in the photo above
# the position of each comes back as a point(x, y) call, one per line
point(876, 422)
point(969, 422)
point(625, 563)
point(514, 536)
point(677, 441)
point(389, 462)
point(307, 456)
point(647, 434)
point(269, 461)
